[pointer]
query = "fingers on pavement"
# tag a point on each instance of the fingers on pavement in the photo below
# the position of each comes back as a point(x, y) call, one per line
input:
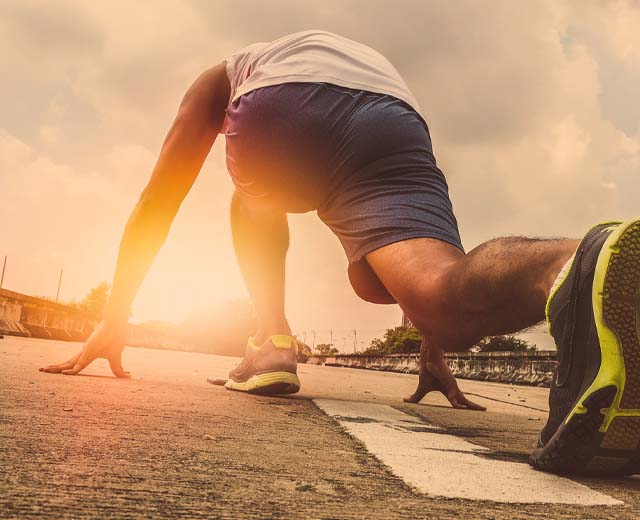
point(473, 406)
point(56, 369)
point(459, 401)
point(78, 366)
point(116, 367)
point(458, 406)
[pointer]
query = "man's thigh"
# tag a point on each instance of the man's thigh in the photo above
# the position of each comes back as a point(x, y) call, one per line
point(408, 269)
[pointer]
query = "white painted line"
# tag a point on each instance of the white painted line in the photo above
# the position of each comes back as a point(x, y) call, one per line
point(440, 464)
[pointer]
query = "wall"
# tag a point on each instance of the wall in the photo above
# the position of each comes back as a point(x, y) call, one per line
point(23, 315)
point(528, 368)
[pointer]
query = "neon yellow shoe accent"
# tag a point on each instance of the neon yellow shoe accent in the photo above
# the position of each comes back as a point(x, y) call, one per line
point(268, 383)
point(612, 367)
point(282, 341)
point(278, 340)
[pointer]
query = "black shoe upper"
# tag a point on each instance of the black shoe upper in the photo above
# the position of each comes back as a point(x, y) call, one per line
point(572, 325)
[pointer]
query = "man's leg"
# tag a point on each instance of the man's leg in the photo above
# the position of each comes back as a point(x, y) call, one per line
point(503, 286)
point(261, 240)
point(456, 299)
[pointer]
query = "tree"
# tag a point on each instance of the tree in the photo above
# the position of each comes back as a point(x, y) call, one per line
point(398, 340)
point(326, 349)
point(304, 350)
point(95, 302)
point(504, 344)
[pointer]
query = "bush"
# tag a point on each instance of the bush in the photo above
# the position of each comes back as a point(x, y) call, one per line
point(504, 344)
point(304, 351)
point(399, 340)
point(326, 349)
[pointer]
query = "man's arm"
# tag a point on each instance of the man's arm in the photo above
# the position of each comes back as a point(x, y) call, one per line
point(185, 148)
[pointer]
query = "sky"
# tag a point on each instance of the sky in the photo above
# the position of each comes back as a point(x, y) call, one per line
point(533, 109)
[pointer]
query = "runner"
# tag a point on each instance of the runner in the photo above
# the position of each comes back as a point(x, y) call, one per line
point(314, 121)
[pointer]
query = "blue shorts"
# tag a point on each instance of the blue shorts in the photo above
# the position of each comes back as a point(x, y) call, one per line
point(362, 160)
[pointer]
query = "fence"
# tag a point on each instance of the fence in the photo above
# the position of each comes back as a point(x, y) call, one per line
point(529, 368)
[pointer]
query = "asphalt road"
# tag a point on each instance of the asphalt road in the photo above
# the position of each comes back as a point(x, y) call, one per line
point(166, 444)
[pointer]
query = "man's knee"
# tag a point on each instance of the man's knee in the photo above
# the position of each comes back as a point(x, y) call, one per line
point(426, 302)
point(432, 306)
point(429, 292)
point(434, 309)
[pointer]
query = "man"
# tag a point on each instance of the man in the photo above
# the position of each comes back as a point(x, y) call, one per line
point(314, 121)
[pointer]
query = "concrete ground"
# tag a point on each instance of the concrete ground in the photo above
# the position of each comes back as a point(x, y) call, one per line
point(167, 444)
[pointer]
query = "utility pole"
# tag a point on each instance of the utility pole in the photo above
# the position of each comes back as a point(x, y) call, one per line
point(314, 340)
point(4, 266)
point(59, 284)
point(355, 339)
point(331, 337)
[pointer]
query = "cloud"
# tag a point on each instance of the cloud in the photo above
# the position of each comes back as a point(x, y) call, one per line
point(533, 113)
point(47, 30)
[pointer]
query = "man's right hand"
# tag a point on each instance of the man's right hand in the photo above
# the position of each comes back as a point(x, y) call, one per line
point(107, 341)
point(437, 377)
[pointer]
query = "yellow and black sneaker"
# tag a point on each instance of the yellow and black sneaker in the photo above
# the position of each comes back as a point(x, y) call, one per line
point(267, 369)
point(594, 318)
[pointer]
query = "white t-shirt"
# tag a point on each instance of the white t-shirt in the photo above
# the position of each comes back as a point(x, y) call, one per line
point(315, 57)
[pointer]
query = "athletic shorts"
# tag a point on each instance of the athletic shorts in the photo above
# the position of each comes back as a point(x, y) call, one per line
point(362, 160)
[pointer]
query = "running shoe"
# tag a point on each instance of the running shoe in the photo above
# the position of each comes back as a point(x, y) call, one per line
point(267, 369)
point(594, 317)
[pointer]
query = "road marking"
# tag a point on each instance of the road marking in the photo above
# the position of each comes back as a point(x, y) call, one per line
point(440, 464)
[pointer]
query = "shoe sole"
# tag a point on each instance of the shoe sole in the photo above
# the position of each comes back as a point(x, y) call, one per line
point(601, 435)
point(271, 383)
